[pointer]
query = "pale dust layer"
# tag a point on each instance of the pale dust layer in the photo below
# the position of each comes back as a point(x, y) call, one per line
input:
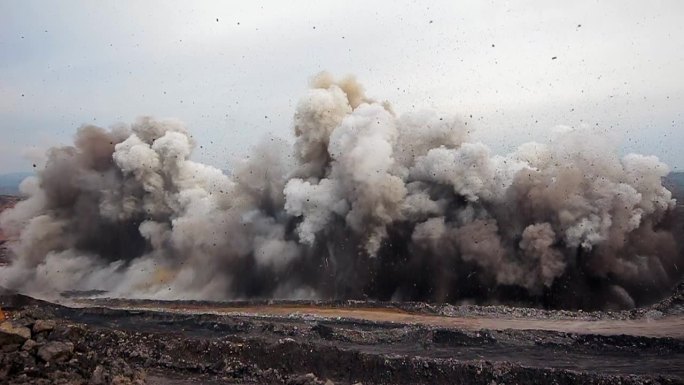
point(672, 326)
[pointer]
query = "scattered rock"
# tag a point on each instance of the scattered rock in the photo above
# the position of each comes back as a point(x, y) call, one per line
point(55, 351)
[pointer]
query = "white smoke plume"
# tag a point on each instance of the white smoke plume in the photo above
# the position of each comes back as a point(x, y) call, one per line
point(366, 204)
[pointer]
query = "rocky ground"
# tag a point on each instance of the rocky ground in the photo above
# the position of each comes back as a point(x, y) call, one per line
point(45, 343)
point(36, 350)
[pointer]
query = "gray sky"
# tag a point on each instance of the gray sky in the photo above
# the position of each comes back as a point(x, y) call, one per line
point(618, 67)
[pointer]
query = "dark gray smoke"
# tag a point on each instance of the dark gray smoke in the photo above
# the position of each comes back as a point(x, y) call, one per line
point(367, 204)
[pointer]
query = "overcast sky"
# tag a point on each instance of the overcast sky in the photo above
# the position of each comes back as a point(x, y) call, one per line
point(233, 71)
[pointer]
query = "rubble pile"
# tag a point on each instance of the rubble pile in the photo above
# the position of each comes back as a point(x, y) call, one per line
point(38, 351)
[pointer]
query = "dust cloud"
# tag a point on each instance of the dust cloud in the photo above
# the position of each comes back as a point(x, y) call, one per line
point(367, 203)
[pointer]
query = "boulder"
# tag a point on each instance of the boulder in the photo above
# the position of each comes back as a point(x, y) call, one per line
point(11, 334)
point(29, 345)
point(56, 351)
point(99, 376)
point(43, 326)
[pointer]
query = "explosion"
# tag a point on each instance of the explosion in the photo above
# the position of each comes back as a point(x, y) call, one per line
point(366, 204)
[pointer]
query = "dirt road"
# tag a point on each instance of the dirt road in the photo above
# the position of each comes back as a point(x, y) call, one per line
point(666, 326)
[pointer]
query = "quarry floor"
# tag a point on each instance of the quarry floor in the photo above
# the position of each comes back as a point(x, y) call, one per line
point(187, 342)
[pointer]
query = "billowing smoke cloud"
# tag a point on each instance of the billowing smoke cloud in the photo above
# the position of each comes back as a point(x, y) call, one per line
point(366, 204)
